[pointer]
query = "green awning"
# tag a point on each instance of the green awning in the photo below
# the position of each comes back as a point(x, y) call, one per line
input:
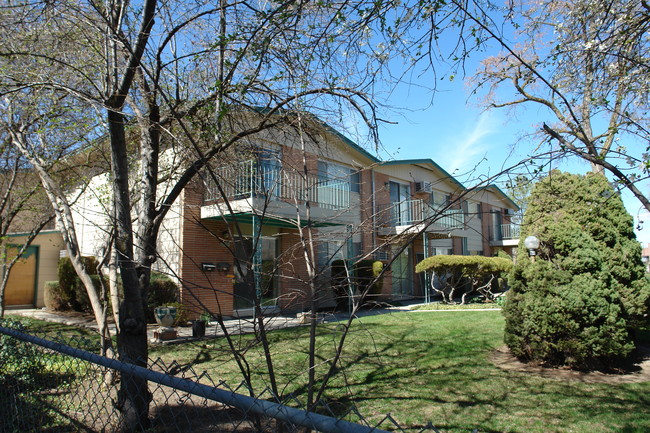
point(270, 221)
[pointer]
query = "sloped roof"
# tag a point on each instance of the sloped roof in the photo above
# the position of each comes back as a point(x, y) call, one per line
point(425, 161)
point(494, 188)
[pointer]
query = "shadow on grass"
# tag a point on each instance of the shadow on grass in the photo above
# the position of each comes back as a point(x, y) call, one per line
point(435, 367)
point(204, 418)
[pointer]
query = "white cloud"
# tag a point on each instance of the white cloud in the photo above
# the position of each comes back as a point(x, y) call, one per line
point(471, 145)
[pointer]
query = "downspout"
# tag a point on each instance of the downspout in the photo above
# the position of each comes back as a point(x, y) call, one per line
point(374, 209)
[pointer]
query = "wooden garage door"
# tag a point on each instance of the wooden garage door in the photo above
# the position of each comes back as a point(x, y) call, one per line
point(21, 286)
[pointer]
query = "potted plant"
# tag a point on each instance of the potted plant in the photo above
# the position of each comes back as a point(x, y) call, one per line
point(198, 326)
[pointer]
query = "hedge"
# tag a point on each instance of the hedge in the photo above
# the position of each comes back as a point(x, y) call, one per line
point(471, 274)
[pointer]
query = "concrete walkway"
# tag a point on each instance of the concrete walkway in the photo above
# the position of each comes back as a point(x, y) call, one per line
point(213, 330)
point(234, 326)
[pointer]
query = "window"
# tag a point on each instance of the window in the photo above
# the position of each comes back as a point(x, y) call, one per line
point(331, 171)
point(269, 166)
point(355, 180)
point(328, 251)
point(439, 199)
point(464, 205)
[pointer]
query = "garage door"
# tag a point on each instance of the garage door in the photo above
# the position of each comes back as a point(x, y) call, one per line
point(21, 287)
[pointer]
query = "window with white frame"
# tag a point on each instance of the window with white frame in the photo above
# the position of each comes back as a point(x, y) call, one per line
point(332, 171)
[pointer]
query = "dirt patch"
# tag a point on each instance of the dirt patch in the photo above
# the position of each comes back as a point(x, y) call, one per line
point(639, 371)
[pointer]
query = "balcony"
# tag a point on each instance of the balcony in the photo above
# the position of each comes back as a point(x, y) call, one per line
point(411, 215)
point(264, 187)
point(505, 234)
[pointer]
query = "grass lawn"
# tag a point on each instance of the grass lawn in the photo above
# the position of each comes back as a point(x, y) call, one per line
point(468, 306)
point(422, 367)
point(41, 328)
point(431, 367)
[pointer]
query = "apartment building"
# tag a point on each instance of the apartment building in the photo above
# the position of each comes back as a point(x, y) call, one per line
point(424, 211)
point(269, 223)
point(269, 218)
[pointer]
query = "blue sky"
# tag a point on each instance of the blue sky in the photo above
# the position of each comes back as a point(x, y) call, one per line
point(468, 142)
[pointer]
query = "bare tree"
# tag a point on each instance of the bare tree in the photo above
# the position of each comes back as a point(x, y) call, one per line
point(154, 83)
point(586, 65)
point(22, 209)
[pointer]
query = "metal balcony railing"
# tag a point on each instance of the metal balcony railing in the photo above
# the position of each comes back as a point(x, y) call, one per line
point(510, 231)
point(250, 179)
point(410, 212)
point(505, 232)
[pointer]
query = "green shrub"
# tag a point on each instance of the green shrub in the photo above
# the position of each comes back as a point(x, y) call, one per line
point(580, 303)
point(162, 291)
point(467, 275)
point(82, 300)
point(19, 360)
point(377, 269)
point(54, 298)
point(72, 291)
point(365, 276)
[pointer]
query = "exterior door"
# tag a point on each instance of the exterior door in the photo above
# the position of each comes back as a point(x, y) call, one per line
point(496, 223)
point(244, 286)
point(402, 273)
point(400, 195)
point(269, 278)
point(21, 287)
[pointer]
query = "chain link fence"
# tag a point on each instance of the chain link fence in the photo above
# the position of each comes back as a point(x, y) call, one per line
point(64, 386)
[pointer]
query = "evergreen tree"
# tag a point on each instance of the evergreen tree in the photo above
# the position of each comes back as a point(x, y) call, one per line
point(581, 301)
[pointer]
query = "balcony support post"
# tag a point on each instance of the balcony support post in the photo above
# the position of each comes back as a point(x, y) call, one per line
point(257, 257)
point(425, 247)
point(350, 262)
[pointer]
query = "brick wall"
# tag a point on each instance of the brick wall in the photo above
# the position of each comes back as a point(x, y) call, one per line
point(366, 212)
point(201, 290)
point(382, 197)
point(292, 159)
point(294, 278)
point(486, 221)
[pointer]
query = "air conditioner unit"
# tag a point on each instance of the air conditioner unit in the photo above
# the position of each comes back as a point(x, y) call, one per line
point(423, 187)
point(381, 255)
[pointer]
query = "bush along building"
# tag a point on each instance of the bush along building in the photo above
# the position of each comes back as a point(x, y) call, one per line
point(284, 220)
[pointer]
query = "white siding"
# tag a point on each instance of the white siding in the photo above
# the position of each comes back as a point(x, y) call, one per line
point(91, 215)
point(474, 228)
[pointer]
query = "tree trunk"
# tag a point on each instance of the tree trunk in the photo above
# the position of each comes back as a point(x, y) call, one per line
point(113, 288)
point(5, 278)
point(598, 169)
point(134, 395)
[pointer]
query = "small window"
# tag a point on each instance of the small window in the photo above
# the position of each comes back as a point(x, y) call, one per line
point(355, 180)
point(329, 171)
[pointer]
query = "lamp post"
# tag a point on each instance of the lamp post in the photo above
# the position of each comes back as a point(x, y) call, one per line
point(531, 243)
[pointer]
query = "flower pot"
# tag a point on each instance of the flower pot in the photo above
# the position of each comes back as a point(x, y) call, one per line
point(198, 328)
point(165, 316)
